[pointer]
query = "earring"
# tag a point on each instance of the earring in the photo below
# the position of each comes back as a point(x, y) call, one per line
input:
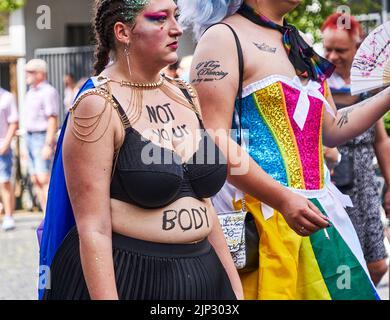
point(127, 54)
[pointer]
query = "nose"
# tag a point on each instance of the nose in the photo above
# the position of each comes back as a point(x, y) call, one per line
point(332, 56)
point(176, 30)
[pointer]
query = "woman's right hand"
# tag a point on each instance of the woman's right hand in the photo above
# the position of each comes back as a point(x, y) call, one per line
point(302, 215)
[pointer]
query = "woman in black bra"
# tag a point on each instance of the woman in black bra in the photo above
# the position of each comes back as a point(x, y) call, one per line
point(140, 170)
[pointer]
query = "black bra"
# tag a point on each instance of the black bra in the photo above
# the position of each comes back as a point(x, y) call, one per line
point(161, 177)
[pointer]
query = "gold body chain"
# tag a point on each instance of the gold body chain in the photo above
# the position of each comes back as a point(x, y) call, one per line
point(91, 123)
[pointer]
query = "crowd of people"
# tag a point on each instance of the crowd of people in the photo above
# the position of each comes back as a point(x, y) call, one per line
point(40, 125)
point(340, 48)
point(40, 122)
point(146, 161)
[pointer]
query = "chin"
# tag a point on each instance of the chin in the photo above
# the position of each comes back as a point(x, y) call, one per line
point(294, 2)
point(171, 59)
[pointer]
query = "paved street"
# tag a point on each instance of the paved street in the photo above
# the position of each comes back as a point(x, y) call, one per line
point(19, 261)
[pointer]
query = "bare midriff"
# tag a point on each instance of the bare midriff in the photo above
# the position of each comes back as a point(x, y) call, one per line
point(187, 220)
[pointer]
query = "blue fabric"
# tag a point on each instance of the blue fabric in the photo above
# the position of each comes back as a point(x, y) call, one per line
point(35, 142)
point(59, 218)
point(6, 166)
point(262, 146)
point(341, 90)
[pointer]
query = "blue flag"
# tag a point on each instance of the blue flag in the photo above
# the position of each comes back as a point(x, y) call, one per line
point(59, 218)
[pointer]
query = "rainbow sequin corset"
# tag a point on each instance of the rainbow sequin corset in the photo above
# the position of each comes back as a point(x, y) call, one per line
point(283, 119)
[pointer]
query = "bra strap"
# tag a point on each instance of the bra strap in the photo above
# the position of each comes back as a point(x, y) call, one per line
point(188, 92)
point(241, 76)
point(122, 115)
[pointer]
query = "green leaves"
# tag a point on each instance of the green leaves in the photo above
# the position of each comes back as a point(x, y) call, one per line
point(11, 5)
point(7, 6)
point(387, 122)
point(310, 14)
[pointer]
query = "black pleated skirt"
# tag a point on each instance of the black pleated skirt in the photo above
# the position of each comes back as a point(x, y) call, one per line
point(145, 271)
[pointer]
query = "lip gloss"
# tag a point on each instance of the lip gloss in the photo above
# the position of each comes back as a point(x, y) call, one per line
point(174, 45)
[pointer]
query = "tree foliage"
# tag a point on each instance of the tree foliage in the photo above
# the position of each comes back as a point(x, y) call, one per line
point(6, 7)
point(310, 14)
point(11, 5)
point(387, 123)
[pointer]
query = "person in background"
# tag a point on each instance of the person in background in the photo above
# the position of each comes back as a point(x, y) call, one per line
point(173, 70)
point(340, 46)
point(80, 83)
point(185, 66)
point(40, 113)
point(70, 90)
point(8, 126)
point(256, 72)
point(332, 158)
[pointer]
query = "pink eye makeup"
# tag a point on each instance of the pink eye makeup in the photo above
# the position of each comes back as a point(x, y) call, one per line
point(156, 16)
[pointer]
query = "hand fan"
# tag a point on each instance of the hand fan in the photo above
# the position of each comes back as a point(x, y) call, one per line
point(371, 66)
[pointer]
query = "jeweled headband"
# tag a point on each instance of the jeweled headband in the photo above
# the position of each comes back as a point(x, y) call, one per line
point(131, 8)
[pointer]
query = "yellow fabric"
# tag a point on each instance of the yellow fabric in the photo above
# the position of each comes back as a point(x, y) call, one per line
point(326, 89)
point(321, 154)
point(288, 268)
point(270, 103)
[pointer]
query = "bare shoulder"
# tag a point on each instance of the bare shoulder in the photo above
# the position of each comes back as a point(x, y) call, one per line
point(218, 38)
point(91, 116)
point(91, 101)
point(215, 58)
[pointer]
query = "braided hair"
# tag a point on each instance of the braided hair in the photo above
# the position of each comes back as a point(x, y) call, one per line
point(107, 13)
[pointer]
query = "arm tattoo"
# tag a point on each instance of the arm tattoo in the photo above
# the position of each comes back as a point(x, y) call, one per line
point(265, 47)
point(209, 70)
point(344, 117)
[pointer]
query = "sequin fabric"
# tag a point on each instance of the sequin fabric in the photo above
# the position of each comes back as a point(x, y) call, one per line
point(262, 146)
point(291, 156)
point(309, 146)
point(271, 105)
point(131, 8)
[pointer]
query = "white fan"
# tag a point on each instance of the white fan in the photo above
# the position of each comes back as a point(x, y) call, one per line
point(371, 65)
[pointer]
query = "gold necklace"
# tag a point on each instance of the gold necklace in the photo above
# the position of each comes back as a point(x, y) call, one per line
point(136, 97)
point(84, 127)
point(141, 85)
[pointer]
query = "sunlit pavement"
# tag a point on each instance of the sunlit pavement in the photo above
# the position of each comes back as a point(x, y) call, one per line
point(19, 261)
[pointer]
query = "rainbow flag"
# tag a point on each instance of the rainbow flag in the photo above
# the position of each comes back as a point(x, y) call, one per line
point(282, 120)
point(308, 268)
